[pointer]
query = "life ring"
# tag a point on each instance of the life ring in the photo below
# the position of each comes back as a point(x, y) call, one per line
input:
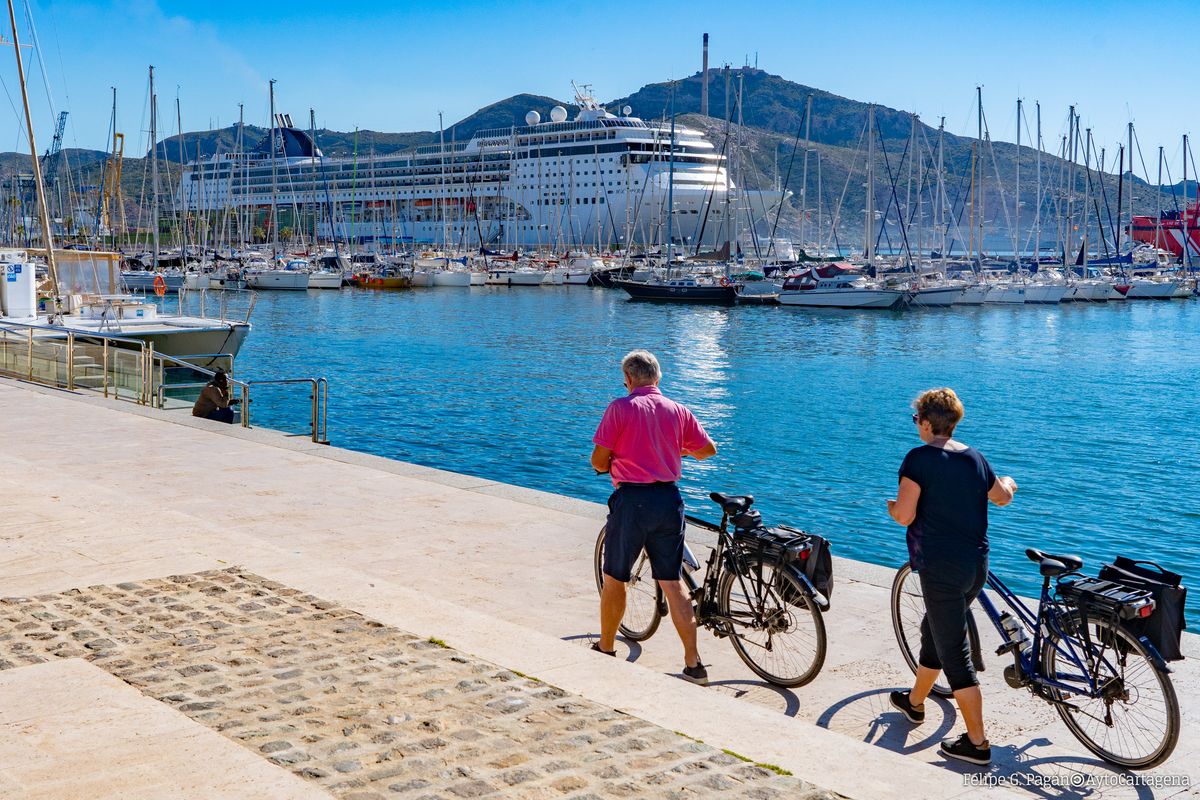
point(160, 285)
point(725, 281)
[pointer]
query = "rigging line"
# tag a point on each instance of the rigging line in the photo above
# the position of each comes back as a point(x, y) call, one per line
point(895, 199)
point(837, 211)
point(786, 180)
point(711, 194)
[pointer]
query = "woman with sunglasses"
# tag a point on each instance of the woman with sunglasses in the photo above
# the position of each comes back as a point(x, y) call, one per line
point(943, 497)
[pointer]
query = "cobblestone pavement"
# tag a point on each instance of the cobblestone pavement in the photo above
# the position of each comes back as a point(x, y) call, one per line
point(365, 710)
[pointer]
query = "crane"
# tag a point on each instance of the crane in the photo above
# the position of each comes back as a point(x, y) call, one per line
point(110, 192)
point(55, 148)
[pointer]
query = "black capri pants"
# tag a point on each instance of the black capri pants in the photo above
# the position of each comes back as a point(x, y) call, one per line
point(949, 588)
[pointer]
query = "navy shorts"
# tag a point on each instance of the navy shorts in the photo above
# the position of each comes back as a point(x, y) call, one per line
point(644, 517)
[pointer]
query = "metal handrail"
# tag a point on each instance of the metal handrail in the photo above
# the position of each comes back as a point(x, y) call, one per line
point(245, 398)
point(144, 351)
point(320, 403)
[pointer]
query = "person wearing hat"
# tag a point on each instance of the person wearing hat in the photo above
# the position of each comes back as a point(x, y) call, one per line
point(214, 401)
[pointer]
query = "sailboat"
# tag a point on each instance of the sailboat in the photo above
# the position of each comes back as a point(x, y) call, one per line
point(676, 287)
point(85, 287)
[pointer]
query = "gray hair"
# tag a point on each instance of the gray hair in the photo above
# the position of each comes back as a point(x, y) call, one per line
point(641, 367)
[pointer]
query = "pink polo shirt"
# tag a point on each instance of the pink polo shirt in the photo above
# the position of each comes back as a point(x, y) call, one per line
point(648, 435)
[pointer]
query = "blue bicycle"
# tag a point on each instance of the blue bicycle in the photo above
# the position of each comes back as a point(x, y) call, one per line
point(1111, 688)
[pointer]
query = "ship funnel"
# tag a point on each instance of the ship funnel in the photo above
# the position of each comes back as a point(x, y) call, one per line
point(704, 80)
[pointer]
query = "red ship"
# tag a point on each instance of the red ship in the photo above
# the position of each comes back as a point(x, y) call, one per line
point(1167, 233)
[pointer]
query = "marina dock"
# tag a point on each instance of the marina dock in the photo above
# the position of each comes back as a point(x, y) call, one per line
point(189, 609)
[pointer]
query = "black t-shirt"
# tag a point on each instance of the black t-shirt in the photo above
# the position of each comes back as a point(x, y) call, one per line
point(951, 522)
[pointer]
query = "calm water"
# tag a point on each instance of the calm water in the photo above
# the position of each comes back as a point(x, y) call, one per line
point(1093, 409)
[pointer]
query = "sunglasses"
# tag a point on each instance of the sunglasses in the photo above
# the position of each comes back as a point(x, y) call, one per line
point(916, 418)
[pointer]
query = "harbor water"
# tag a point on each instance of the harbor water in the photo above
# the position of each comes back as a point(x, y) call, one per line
point(1091, 408)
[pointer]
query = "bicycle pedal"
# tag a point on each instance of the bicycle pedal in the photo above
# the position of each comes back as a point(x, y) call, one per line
point(1006, 648)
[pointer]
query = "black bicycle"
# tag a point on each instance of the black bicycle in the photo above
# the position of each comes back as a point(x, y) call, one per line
point(755, 592)
point(1111, 687)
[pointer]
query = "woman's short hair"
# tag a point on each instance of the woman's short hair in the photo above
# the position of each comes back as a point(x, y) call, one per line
point(941, 408)
point(641, 367)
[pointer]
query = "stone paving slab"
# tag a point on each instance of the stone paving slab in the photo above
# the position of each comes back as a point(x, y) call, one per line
point(70, 731)
point(361, 709)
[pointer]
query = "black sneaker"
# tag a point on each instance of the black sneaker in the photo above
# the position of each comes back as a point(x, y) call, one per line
point(913, 714)
point(962, 749)
point(697, 674)
point(596, 647)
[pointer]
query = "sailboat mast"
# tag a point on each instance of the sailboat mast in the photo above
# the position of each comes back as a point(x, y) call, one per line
point(1017, 209)
point(153, 171)
point(43, 210)
point(1187, 244)
point(1130, 235)
point(982, 171)
point(274, 178)
point(671, 184)
point(804, 177)
point(941, 190)
point(244, 215)
point(1037, 214)
point(869, 248)
point(312, 135)
point(1068, 239)
point(183, 210)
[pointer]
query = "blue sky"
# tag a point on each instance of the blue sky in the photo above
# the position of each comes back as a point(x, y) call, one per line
point(394, 65)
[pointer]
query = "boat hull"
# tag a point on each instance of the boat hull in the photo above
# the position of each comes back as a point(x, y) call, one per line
point(451, 277)
point(1045, 293)
point(938, 296)
point(143, 282)
point(278, 280)
point(852, 298)
point(1152, 290)
point(325, 280)
point(724, 295)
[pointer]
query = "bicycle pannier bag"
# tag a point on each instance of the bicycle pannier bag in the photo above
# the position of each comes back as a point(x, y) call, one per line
point(1164, 627)
point(819, 567)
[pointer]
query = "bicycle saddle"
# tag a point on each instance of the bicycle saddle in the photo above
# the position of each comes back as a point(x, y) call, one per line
point(732, 504)
point(1051, 565)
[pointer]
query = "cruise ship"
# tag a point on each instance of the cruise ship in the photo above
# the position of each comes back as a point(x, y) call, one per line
point(597, 181)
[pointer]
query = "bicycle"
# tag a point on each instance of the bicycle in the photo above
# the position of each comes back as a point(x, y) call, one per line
point(1101, 678)
point(754, 592)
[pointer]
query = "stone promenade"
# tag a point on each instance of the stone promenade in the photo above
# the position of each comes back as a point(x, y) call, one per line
point(363, 709)
point(138, 666)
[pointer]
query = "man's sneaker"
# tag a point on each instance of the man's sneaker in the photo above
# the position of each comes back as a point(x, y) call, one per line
point(962, 749)
point(697, 674)
point(596, 647)
point(913, 714)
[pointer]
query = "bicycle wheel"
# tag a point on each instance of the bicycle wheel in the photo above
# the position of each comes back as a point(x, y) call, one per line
point(643, 598)
point(1135, 722)
point(908, 609)
point(775, 629)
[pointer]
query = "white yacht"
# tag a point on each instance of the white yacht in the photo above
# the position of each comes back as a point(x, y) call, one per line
point(325, 279)
point(515, 276)
point(89, 283)
point(838, 286)
point(289, 276)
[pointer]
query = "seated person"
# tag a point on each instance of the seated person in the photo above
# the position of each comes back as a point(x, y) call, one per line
point(214, 401)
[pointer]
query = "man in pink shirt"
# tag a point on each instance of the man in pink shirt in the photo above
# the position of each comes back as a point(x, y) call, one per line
point(640, 442)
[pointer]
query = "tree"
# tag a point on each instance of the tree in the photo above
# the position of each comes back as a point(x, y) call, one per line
point(258, 233)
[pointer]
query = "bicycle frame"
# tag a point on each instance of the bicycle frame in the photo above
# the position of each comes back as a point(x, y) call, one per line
point(1047, 620)
point(718, 563)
